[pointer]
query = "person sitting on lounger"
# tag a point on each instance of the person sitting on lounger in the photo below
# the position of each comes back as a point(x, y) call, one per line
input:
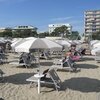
point(74, 57)
point(67, 63)
point(21, 60)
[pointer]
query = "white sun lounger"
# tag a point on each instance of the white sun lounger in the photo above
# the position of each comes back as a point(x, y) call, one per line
point(53, 79)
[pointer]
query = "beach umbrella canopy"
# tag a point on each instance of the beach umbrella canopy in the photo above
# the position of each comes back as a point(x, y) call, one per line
point(63, 43)
point(15, 41)
point(37, 43)
point(20, 40)
point(76, 42)
point(94, 42)
point(96, 45)
point(93, 51)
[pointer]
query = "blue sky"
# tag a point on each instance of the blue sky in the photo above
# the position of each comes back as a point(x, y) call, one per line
point(40, 13)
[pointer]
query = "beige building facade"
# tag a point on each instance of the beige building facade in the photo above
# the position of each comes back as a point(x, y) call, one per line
point(92, 21)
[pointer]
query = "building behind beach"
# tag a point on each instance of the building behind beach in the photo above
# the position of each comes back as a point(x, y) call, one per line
point(23, 27)
point(92, 21)
point(53, 26)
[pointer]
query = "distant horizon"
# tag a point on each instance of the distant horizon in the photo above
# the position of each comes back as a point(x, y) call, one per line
point(42, 13)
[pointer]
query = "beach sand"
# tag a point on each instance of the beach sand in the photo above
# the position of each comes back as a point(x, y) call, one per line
point(82, 85)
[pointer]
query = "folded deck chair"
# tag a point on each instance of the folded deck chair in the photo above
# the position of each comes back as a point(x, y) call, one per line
point(1, 75)
point(53, 79)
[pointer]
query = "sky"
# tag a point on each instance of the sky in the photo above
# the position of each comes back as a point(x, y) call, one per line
point(40, 13)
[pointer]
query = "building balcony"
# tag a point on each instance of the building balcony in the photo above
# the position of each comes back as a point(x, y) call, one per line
point(97, 19)
point(97, 16)
point(88, 31)
point(98, 12)
point(97, 23)
point(90, 12)
point(89, 24)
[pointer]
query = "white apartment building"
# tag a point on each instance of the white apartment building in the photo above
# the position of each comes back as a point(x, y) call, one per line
point(92, 21)
point(53, 26)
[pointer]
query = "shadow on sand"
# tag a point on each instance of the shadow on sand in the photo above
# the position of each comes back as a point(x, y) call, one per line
point(88, 58)
point(19, 78)
point(87, 66)
point(82, 84)
point(46, 63)
point(29, 67)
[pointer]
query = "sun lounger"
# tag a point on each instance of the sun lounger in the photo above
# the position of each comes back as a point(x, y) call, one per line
point(3, 58)
point(53, 79)
point(20, 64)
point(23, 60)
point(68, 64)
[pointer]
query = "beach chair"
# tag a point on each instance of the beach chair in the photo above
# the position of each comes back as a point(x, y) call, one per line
point(3, 58)
point(52, 79)
point(33, 59)
point(1, 75)
point(45, 55)
point(26, 64)
point(68, 64)
point(24, 61)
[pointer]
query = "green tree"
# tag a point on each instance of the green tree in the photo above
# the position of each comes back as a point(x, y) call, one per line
point(23, 33)
point(74, 35)
point(96, 36)
point(60, 31)
point(44, 34)
point(7, 32)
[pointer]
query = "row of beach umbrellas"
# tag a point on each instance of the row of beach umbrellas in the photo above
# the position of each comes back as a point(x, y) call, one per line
point(27, 44)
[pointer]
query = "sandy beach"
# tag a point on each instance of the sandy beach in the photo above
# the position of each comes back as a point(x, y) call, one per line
point(82, 85)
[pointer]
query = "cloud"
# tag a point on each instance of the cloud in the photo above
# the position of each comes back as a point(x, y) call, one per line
point(61, 18)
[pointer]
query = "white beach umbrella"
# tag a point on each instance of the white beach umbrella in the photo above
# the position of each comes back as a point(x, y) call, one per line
point(93, 51)
point(15, 41)
point(96, 45)
point(63, 43)
point(77, 42)
point(37, 43)
point(21, 40)
point(30, 38)
point(94, 42)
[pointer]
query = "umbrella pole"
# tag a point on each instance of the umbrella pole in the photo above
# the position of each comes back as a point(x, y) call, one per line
point(39, 59)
